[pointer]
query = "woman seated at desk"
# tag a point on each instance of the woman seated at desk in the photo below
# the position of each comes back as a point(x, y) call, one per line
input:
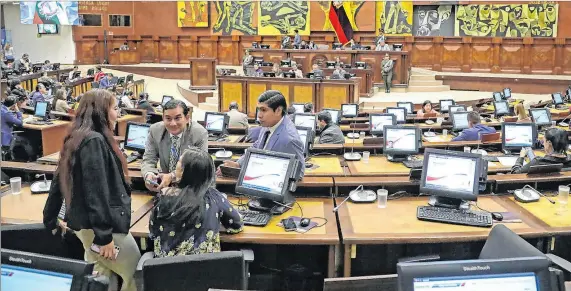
point(277, 71)
point(298, 72)
point(426, 109)
point(186, 219)
point(59, 103)
point(521, 113)
point(555, 147)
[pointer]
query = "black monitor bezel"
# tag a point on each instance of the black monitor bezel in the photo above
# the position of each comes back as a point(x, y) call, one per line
point(411, 107)
point(399, 127)
point(338, 120)
point(46, 116)
point(330, 64)
point(350, 115)
point(553, 98)
point(534, 134)
point(226, 121)
point(397, 108)
point(305, 114)
point(531, 110)
point(379, 132)
point(454, 127)
point(450, 193)
point(283, 196)
point(127, 129)
point(309, 139)
point(496, 113)
point(459, 105)
point(501, 98)
point(506, 96)
point(163, 100)
point(443, 100)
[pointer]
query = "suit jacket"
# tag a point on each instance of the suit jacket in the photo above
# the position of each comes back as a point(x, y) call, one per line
point(237, 118)
point(331, 134)
point(105, 83)
point(157, 148)
point(7, 120)
point(285, 139)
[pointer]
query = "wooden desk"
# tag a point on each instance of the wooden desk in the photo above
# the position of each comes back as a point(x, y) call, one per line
point(122, 122)
point(372, 58)
point(29, 81)
point(397, 224)
point(274, 235)
point(51, 135)
point(322, 93)
point(128, 57)
point(548, 215)
point(202, 73)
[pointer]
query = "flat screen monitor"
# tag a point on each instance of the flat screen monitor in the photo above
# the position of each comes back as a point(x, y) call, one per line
point(306, 136)
point(437, 178)
point(29, 271)
point(330, 65)
point(400, 140)
point(540, 116)
point(285, 63)
point(266, 174)
point(518, 135)
point(455, 108)
point(166, 99)
point(379, 121)
point(56, 66)
point(216, 122)
point(265, 46)
point(360, 65)
point(289, 75)
point(136, 136)
point(298, 107)
point(129, 78)
point(47, 28)
point(497, 96)
point(445, 104)
point(501, 108)
point(398, 112)
point(557, 98)
point(459, 120)
point(41, 109)
point(305, 120)
point(407, 105)
point(269, 74)
point(507, 93)
point(335, 114)
point(349, 110)
point(514, 274)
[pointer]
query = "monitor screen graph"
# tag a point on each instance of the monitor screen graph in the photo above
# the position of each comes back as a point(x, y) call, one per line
point(41, 109)
point(518, 136)
point(266, 173)
point(15, 278)
point(399, 113)
point(349, 109)
point(214, 122)
point(401, 139)
point(137, 136)
point(439, 176)
point(305, 121)
point(445, 104)
point(541, 116)
point(378, 122)
point(510, 281)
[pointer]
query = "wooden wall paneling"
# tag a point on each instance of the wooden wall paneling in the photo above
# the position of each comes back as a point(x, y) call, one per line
point(467, 54)
point(333, 94)
point(566, 57)
point(187, 48)
point(89, 52)
point(304, 93)
point(481, 55)
point(511, 55)
point(559, 46)
point(283, 88)
point(452, 54)
point(231, 90)
point(207, 47)
point(227, 50)
point(542, 55)
point(167, 49)
point(422, 53)
point(255, 89)
point(147, 49)
point(496, 41)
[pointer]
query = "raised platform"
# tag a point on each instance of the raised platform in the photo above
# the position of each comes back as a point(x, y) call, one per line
point(162, 71)
point(196, 97)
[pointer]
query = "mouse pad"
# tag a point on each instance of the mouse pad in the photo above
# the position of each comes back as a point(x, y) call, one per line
point(300, 228)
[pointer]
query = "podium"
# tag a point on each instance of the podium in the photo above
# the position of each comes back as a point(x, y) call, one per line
point(202, 73)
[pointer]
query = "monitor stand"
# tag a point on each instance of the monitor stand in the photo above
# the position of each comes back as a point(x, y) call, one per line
point(215, 136)
point(444, 202)
point(267, 205)
point(397, 158)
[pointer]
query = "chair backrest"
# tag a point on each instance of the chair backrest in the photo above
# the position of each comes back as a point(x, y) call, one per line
point(365, 283)
point(224, 270)
point(502, 243)
point(510, 118)
point(488, 137)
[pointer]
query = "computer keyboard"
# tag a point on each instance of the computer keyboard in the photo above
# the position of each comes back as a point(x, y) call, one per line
point(490, 158)
point(411, 164)
point(454, 216)
point(36, 122)
point(255, 218)
point(131, 159)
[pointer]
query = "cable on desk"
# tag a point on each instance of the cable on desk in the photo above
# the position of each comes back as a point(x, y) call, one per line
point(476, 204)
point(322, 154)
point(320, 225)
point(397, 195)
point(300, 209)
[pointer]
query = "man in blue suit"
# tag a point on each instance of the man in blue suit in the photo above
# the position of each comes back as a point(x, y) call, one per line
point(278, 133)
point(10, 116)
point(106, 82)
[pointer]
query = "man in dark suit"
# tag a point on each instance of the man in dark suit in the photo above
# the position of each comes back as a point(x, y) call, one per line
point(166, 142)
point(278, 133)
point(330, 132)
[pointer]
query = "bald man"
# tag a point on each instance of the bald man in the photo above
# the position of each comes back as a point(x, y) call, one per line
point(237, 118)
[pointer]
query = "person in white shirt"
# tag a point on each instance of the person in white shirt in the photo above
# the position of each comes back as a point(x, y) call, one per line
point(382, 46)
point(126, 100)
point(75, 69)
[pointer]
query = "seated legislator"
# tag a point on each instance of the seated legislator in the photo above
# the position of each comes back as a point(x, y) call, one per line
point(521, 113)
point(383, 47)
point(475, 129)
point(330, 132)
point(291, 112)
point(277, 70)
point(237, 118)
point(126, 100)
point(10, 116)
point(338, 73)
point(555, 142)
point(143, 103)
point(59, 102)
point(106, 82)
point(317, 72)
point(186, 219)
point(39, 95)
point(426, 109)
point(311, 45)
point(298, 72)
point(99, 75)
point(167, 140)
point(278, 133)
point(257, 72)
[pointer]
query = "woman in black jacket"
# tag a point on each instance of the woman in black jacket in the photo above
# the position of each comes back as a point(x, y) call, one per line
point(555, 142)
point(91, 180)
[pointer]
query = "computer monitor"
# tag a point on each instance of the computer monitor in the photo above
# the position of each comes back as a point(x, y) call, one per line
point(459, 120)
point(557, 98)
point(398, 112)
point(265, 46)
point(336, 46)
point(497, 96)
point(306, 136)
point(310, 75)
point(166, 99)
point(269, 74)
point(378, 122)
point(455, 108)
point(258, 60)
point(335, 114)
point(407, 105)
point(298, 107)
point(267, 176)
point(36, 68)
point(522, 274)
point(286, 63)
point(516, 135)
point(507, 93)
point(397, 47)
point(330, 65)
point(76, 75)
point(349, 110)
point(42, 109)
point(445, 104)
point(129, 78)
point(289, 75)
point(255, 45)
point(540, 116)
point(400, 141)
point(360, 65)
point(136, 136)
point(501, 108)
point(121, 81)
point(55, 66)
point(305, 120)
point(216, 122)
point(30, 271)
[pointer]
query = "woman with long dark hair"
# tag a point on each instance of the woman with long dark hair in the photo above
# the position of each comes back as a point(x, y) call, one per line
point(187, 218)
point(555, 144)
point(92, 180)
point(59, 102)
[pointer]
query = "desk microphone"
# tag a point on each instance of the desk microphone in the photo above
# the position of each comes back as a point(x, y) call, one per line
point(40, 187)
point(222, 154)
point(358, 195)
point(430, 133)
point(352, 156)
point(562, 123)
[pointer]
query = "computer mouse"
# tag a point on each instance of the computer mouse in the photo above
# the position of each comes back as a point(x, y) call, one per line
point(304, 222)
point(497, 216)
point(308, 165)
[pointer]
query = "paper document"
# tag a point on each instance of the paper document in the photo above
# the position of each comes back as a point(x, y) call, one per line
point(507, 161)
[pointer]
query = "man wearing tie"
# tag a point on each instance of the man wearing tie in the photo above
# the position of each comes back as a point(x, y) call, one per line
point(166, 141)
point(278, 133)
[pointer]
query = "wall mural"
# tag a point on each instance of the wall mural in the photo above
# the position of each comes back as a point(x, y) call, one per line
point(193, 13)
point(395, 17)
point(283, 17)
point(500, 20)
point(234, 18)
point(433, 20)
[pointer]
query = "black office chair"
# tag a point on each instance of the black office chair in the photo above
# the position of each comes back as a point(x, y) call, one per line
point(224, 270)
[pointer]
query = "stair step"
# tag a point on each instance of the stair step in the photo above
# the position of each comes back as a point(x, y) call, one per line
point(377, 90)
point(425, 83)
point(212, 100)
point(414, 77)
point(439, 88)
point(208, 107)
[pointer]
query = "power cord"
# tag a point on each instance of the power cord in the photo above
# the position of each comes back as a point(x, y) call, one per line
point(397, 195)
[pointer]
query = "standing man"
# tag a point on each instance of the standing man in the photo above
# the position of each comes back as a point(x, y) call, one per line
point(286, 40)
point(247, 60)
point(166, 141)
point(387, 70)
point(380, 37)
point(237, 118)
point(296, 39)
